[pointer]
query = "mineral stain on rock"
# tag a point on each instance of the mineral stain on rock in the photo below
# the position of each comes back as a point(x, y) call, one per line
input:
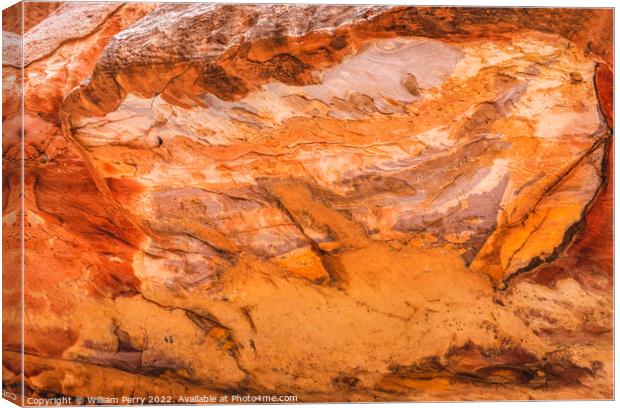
point(341, 203)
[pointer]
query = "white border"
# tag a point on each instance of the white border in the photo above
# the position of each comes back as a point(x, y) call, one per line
point(482, 3)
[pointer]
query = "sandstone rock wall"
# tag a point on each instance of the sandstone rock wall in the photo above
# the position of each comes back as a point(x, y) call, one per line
point(334, 202)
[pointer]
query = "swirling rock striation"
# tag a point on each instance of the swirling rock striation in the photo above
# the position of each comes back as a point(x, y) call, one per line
point(336, 202)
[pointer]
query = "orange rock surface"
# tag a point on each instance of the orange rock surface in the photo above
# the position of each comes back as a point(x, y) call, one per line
point(339, 203)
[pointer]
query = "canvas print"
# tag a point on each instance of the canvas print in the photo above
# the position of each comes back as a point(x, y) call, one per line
point(221, 203)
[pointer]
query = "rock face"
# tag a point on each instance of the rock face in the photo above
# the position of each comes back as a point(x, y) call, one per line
point(335, 203)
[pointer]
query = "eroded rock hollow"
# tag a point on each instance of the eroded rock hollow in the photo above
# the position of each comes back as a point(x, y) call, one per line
point(333, 202)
